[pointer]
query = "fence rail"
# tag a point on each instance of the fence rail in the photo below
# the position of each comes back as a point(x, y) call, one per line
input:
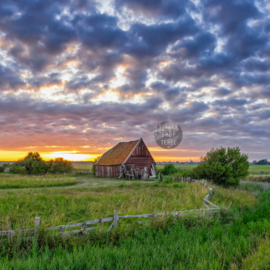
point(208, 211)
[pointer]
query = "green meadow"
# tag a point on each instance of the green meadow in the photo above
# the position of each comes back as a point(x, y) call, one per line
point(252, 168)
point(59, 206)
point(31, 181)
point(226, 241)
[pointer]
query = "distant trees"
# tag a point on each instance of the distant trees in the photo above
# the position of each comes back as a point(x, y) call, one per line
point(60, 165)
point(262, 162)
point(33, 163)
point(224, 167)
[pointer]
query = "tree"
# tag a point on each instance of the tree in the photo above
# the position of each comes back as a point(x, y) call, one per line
point(60, 165)
point(224, 167)
point(34, 164)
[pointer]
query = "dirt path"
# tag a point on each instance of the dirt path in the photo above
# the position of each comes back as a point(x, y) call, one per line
point(87, 182)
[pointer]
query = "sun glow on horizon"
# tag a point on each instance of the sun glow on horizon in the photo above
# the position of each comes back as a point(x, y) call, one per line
point(69, 155)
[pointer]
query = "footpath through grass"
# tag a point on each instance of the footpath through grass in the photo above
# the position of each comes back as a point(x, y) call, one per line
point(189, 243)
point(31, 181)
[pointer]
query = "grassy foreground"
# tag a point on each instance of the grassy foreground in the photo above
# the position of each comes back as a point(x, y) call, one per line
point(30, 181)
point(18, 208)
point(214, 243)
point(260, 259)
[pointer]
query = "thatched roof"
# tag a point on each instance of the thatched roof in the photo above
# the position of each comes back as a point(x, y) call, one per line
point(118, 154)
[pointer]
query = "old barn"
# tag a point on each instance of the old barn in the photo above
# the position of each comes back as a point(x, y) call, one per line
point(127, 159)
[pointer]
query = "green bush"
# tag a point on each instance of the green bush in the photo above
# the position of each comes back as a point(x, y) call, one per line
point(188, 173)
point(2, 169)
point(169, 169)
point(34, 164)
point(60, 165)
point(224, 167)
point(167, 180)
point(16, 169)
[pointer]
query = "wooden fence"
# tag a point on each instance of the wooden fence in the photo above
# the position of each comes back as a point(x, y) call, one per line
point(210, 209)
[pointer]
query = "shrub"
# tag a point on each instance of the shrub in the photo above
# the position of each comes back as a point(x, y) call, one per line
point(39, 167)
point(169, 169)
point(34, 164)
point(60, 165)
point(16, 169)
point(2, 169)
point(167, 180)
point(188, 173)
point(224, 167)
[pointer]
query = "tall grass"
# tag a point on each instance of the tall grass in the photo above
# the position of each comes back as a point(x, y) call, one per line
point(215, 243)
point(70, 205)
point(21, 181)
point(260, 259)
point(258, 178)
point(63, 206)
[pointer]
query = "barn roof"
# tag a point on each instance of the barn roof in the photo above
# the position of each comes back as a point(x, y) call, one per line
point(118, 154)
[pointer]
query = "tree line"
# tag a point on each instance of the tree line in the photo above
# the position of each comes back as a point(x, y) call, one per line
point(33, 163)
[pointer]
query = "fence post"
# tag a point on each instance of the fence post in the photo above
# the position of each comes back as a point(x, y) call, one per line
point(159, 177)
point(229, 207)
point(84, 227)
point(115, 219)
point(37, 222)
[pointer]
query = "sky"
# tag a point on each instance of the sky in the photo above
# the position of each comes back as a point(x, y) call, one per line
point(79, 76)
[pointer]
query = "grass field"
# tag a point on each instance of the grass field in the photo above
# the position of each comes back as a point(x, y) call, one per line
point(216, 243)
point(259, 168)
point(28, 181)
point(260, 259)
point(79, 167)
point(220, 243)
point(95, 197)
point(252, 168)
point(258, 178)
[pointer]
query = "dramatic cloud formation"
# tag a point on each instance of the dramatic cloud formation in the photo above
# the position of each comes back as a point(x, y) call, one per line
point(81, 75)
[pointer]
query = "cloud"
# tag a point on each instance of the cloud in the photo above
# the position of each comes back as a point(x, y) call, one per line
point(222, 92)
point(156, 8)
point(75, 72)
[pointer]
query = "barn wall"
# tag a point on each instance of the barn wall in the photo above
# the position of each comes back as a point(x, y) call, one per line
point(141, 158)
point(108, 171)
point(141, 162)
point(141, 151)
